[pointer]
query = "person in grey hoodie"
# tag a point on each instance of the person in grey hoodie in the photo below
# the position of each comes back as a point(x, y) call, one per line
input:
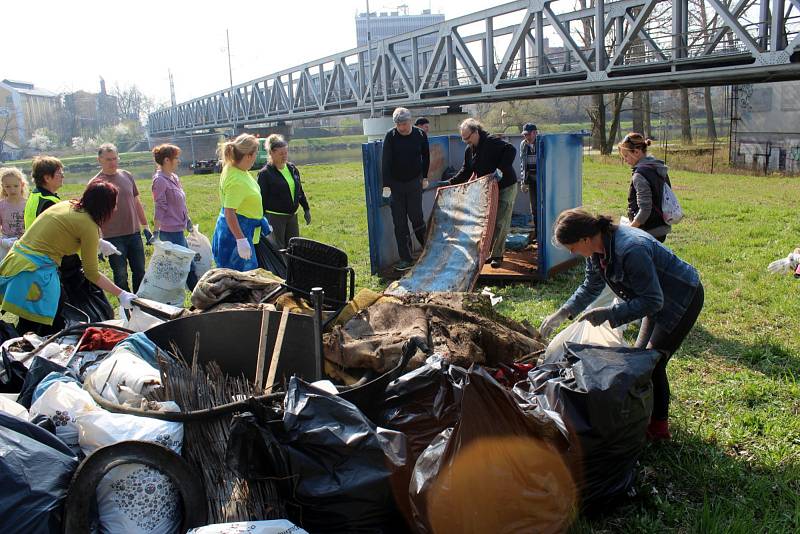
point(647, 186)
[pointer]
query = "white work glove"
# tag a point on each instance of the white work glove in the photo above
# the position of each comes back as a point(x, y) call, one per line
point(785, 265)
point(597, 316)
point(243, 248)
point(8, 242)
point(107, 249)
point(126, 299)
point(551, 322)
point(307, 216)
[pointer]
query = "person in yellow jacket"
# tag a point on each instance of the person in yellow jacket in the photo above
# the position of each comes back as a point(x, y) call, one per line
point(48, 176)
point(29, 282)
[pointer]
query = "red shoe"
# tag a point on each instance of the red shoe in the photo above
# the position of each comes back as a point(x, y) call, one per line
point(658, 430)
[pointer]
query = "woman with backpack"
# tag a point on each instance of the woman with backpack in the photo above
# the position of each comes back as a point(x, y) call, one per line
point(647, 186)
point(654, 284)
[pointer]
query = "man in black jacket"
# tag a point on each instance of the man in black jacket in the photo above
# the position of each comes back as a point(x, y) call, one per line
point(404, 165)
point(488, 154)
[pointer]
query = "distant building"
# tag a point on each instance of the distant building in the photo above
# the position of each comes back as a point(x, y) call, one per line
point(24, 109)
point(765, 127)
point(388, 24)
point(86, 113)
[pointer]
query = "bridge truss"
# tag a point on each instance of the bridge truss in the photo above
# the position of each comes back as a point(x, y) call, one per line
point(523, 49)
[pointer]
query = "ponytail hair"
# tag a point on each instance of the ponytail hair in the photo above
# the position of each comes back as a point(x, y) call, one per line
point(634, 141)
point(162, 152)
point(232, 152)
point(276, 141)
point(575, 224)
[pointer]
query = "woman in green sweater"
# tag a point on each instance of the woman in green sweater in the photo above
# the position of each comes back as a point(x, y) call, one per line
point(29, 281)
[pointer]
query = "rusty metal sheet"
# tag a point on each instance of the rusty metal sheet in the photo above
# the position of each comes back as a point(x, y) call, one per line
point(459, 239)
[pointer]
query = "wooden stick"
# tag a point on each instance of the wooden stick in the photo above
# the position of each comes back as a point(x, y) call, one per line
point(262, 348)
point(276, 352)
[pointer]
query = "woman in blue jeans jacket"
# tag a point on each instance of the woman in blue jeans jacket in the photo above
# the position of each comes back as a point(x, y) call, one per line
point(654, 284)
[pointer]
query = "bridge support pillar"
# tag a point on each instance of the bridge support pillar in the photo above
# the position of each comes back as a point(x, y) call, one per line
point(282, 128)
point(446, 124)
point(375, 128)
point(193, 146)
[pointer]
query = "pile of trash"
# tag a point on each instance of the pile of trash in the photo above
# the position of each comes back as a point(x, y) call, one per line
point(461, 327)
point(430, 399)
point(50, 423)
point(473, 403)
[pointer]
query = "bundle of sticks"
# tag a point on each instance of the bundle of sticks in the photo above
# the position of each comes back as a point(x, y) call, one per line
point(192, 387)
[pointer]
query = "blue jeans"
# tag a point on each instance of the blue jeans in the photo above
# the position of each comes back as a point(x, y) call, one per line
point(131, 252)
point(178, 238)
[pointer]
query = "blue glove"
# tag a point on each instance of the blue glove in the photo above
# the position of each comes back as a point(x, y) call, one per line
point(266, 229)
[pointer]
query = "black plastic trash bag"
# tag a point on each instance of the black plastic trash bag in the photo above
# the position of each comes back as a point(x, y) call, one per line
point(499, 469)
point(36, 468)
point(601, 399)
point(40, 368)
point(338, 466)
point(12, 373)
point(80, 293)
point(423, 403)
point(270, 258)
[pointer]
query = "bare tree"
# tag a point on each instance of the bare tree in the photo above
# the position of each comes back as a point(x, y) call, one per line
point(637, 99)
point(709, 27)
point(602, 141)
point(132, 103)
point(5, 129)
point(686, 121)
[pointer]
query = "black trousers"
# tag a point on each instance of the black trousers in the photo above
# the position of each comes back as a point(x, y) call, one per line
point(653, 336)
point(406, 206)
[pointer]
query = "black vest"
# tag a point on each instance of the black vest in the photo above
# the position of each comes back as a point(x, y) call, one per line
point(656, 183)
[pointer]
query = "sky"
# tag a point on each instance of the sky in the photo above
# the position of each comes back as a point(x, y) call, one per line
point(67, 46)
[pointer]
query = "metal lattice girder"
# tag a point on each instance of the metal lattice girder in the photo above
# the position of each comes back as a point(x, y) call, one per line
point(640, 43)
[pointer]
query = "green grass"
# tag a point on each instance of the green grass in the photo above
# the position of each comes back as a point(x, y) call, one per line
point(734, 462)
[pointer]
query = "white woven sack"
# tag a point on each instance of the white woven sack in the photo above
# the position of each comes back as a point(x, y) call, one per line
point(165, 279)
point(134, 497)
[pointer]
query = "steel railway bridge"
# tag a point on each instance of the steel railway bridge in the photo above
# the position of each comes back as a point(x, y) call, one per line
point(522, 49)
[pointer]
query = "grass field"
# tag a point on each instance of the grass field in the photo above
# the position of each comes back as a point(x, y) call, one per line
point(734, 462)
